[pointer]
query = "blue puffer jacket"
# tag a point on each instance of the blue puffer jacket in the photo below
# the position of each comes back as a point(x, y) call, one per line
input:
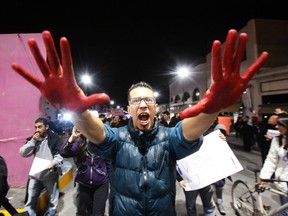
point(143, 171)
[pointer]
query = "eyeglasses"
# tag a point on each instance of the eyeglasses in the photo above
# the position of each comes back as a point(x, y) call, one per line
point(137, 100)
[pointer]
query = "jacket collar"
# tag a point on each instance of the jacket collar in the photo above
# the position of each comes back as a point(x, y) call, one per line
point(136, 133)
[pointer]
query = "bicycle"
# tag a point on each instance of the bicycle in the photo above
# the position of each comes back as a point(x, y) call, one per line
point(248, 200)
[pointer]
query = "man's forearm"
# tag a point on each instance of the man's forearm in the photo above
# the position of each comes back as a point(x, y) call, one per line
point(195, 126)
point(90, 125)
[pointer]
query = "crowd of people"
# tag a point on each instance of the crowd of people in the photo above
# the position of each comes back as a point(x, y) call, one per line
point(92, 178)
point(92, 174)
point(64, 127)
point(92, 171)
point(253, 131)
point(270, 136)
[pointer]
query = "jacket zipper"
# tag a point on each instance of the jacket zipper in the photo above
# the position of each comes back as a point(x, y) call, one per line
point(145, 183)
point(91, 170)
point(162, 165)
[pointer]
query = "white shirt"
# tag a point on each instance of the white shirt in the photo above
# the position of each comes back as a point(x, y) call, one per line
point(276, 161)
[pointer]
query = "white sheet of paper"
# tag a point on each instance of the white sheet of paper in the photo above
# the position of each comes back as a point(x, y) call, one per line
point(39, 165)
point(273, 133)
point(213, 161)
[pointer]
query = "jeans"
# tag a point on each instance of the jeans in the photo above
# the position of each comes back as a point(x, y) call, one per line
point(206, 195)
point(91, 201)
point(35, 188)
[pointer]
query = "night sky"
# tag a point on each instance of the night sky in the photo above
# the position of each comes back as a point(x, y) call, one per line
point(122, 42)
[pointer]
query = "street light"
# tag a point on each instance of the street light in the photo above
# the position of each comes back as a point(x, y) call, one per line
point(86, 79)
point(112, 103)
point(183, 72)
point(156, 94)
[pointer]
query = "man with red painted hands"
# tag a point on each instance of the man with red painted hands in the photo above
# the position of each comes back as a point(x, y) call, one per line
point(144, 154)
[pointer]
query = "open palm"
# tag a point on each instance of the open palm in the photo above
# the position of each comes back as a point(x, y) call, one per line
point(59, 86)
point(227, 84)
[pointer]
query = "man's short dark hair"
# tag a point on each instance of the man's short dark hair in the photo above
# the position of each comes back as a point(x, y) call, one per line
point(166, 112)
point(42, 120)
point(139, 84)
point(102, 115)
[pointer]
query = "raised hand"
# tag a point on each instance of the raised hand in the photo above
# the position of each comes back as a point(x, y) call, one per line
point(59, 86)
point(227, 85)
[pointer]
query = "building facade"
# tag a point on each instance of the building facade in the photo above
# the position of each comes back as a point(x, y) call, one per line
point(267, 90)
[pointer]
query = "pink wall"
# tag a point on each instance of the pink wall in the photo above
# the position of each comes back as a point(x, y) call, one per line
point(19, 103)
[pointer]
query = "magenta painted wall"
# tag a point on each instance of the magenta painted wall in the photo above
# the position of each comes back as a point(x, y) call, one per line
point(19, 103)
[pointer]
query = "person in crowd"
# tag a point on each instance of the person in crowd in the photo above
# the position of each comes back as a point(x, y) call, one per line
point(275, 165)
point(103, 117)
point(248, 134)
point(175, 118)
point(238, 127)
point(117, 121)
point(165, 119)
point(44, 145)
point(52, 124)
point(205, 193)
point(144, 154)
point(92, 175)
point(125, 120)
point(4, 187)
point(219, 185)
point(264, 139)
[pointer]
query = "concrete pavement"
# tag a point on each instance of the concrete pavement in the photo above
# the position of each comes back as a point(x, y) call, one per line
point(66, 206)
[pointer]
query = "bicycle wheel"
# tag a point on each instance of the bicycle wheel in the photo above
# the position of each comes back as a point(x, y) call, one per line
point(242, 199)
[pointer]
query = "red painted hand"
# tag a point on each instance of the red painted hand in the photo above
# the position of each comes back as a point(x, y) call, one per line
point(59, 86)
point(227, 85)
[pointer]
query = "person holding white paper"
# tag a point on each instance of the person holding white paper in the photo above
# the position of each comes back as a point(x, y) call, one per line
point(206, 193)
point(265, 138)
point(45, 145)
point(219, 185)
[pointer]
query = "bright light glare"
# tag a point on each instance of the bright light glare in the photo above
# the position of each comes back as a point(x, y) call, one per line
point(67, 116)
point(156, 94)
point(183, 72)
point(86, 79)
